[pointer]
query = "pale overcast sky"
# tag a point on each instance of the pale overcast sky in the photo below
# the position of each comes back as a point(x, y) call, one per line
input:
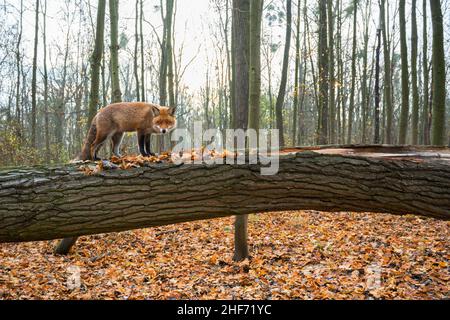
point(193, 18)
point(190, 19)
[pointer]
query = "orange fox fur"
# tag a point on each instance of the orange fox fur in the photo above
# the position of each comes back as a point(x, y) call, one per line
point(117, 119)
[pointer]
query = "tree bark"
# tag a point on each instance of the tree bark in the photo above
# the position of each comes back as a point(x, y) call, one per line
point(96, 60)
point(284, 73)
point(322, 132)
point(19, 63)
point(141, 28)
point(439, 91)
point(295, 116)
point(46, 88)
point(377, 136)
point(49, 203)
point(241, 77)
point(414, 76)
point(426, 140)
point(332, 75)
point(256, 9)
point(404, 114)
point(353, 88)
point(34, 79)
point(169, 51)
point(115, 72)
point(365, 92)
point(136, 48)
point(241, 34)
point(387, 77)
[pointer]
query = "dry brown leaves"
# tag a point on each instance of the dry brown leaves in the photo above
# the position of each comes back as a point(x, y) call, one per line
point(295, 255)
point(133, 162)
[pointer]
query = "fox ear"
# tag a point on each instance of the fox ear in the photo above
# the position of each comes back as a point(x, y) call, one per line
point(172, 111)
point(156, 111)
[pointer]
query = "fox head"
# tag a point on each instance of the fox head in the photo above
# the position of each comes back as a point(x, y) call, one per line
point(164, 120)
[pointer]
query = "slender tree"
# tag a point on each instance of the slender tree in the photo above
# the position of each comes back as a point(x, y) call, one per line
point(169, 50)
point(340, 77)
point(404, 115)
point(377, 136)
point(297, 77)
point(414, 78)
point(46, 89)
point(439, 92)
point(141, 27)
point(241, 24)
point(353, 88)
point(34, 80)
point(256, 8)
point(115, 71)
point(426, 79)
point(332, 75)
point(365, 96)
point(387, 77)
point(322, 133)
point(284, 73)
point(96, 61)
point(19, 74)
point(136, 48)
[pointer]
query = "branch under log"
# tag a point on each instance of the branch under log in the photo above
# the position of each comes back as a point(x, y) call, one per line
point(52, 203)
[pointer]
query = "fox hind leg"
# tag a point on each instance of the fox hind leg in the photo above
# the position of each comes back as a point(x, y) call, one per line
point(117, 142)
point(99, 141)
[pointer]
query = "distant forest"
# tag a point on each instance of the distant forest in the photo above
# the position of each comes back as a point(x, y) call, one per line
point(321, 71)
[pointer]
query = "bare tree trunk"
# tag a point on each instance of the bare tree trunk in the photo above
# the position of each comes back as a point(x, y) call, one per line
point(169, 51)
point(426, 80)
point(439, 92)
point(332, 76)
point(241, 36)
point(241, 11)
point(284, 73)
point(364, 87)
point(295, 116)
point(135, 58)
point(46, 115)
point(18, 69)
point(353, 88)
point(141, 27)
point(256, 9)
point(322, 132)
point(96, 61)
point(404, 114)
point(115, 71)
point(414, 80)
point(341, 106)
point(94, 100)
point(377, 138)
point(387, 77)
point(34, 80)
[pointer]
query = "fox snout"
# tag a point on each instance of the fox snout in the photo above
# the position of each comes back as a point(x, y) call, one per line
point(163, 130)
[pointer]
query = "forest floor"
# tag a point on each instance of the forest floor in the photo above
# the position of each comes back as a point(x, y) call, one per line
point(295, 255)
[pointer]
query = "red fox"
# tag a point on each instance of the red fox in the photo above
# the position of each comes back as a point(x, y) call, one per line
point(114, 120)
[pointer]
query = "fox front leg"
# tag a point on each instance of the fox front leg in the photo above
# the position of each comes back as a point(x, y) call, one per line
point(148, 145)
point(141, 138)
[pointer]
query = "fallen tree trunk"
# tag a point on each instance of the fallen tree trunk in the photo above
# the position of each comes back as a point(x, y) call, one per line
point(52, 203)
